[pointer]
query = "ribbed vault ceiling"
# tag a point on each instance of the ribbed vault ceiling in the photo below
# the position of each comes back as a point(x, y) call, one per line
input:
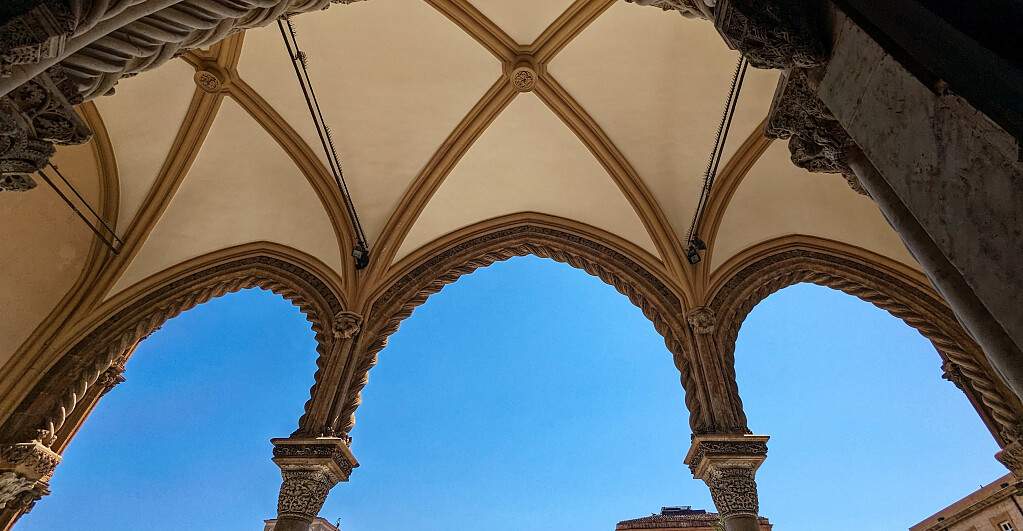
point(433, 138)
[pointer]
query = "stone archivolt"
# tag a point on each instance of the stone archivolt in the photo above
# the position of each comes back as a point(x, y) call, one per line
point(656, 300)
point(763, 276)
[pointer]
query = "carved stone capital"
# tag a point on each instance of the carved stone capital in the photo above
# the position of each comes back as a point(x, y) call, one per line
point(728, 465)
point(33, 118)
point(773, 33)
point(309, 469)
point(25, 471)
point(346, 325)
point(702, 319)
point(687, 8)
point(817, 142)
point(38, 34)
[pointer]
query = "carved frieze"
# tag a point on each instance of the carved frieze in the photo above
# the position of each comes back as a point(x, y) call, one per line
point(772, 34)
point(38, 34)
point(25, 470)
point(817, 141)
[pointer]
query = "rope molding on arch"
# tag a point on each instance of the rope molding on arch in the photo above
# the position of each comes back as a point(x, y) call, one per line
point(918, 309)
point(67, 382)
point(644, 289)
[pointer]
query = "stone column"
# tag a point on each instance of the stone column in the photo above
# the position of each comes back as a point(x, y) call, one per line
point(728, 464)
point(309, 469)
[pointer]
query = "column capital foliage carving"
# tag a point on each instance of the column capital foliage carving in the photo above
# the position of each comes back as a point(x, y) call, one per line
point(309, 469)
point(817, 142)
point(727, 463)
point(25, 472)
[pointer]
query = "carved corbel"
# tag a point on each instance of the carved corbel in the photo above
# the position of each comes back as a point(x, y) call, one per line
point(309, 469)
point(773, 33)
point(25, 472)
point(346, 325)
point(702, 319)
point(33, 118)
point(728, 465)
point(951, 372)
point(817, 141)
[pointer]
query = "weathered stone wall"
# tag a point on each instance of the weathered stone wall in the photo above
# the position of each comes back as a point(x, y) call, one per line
point(956, 171)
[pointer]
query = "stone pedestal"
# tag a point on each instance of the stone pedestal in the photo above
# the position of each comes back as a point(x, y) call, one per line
point(309, 469)
point(728, 464)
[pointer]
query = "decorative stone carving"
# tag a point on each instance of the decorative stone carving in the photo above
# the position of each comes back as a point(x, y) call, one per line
point(727, 463)
point(346, 324)
point(38, 34)
point(309, 469)
point(687, 8)
point(817, 141)
point(523, 78)
point(773, 33)
point(109, 379)
point(33, 118)
point(25, 470)
point(16, 182)
point(951, 372)
point(702, 319)
point(208, 81)
point(1012, 457)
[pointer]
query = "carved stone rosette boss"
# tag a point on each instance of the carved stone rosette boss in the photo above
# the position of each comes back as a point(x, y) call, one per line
point(728, 464)
point(309, 469)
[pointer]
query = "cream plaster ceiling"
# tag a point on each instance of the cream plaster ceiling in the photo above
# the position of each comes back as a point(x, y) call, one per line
point(778, 199)
point(45, 247)
point(522, 20)
point(242, 188)
point(527, 161)
point(656, 83)
point(142, 119)
point(393, 79)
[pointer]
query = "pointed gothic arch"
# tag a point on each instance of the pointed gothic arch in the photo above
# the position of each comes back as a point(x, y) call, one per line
point(447, 259)
point(92, 365)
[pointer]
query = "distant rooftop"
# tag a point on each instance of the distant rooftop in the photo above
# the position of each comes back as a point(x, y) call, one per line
point(676, 517)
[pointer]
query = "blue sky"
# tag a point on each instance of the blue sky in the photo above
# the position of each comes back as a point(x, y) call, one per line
point(526, 396)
